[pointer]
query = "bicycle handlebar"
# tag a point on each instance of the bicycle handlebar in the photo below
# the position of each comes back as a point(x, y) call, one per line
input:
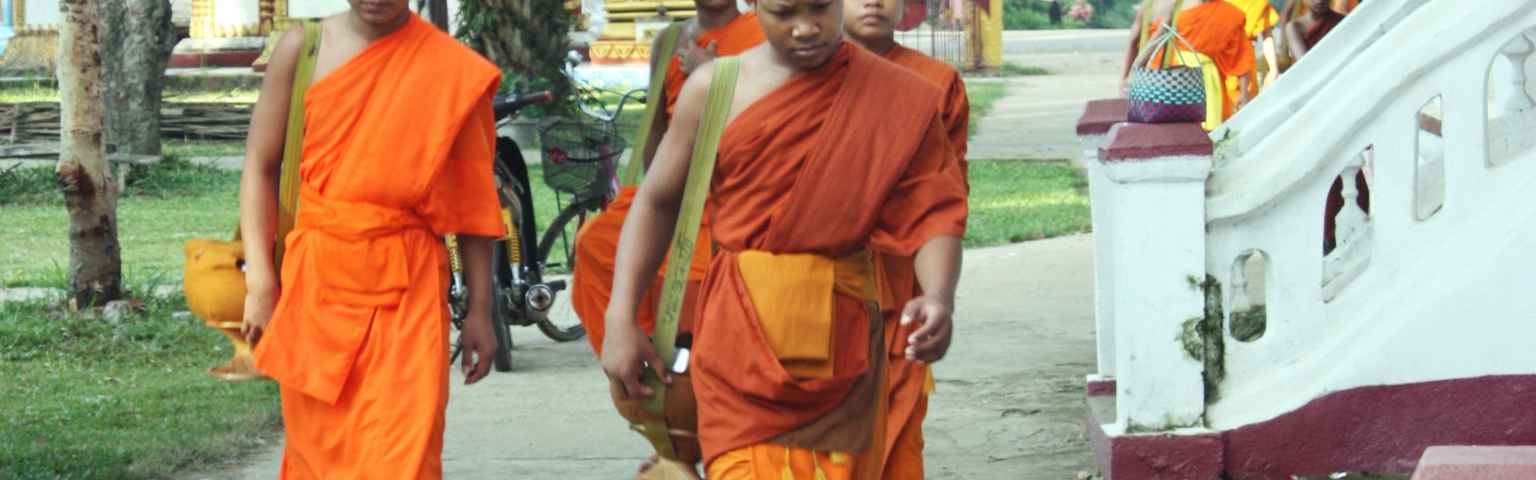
point(506, 106)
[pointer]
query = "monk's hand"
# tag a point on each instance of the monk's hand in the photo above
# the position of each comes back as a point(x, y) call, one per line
point(690, 56)
point(935, 328)
point(626, 355)
point(478, 344)
point(260, 301)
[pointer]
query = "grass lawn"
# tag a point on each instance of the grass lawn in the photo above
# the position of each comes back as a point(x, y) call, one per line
point(86, 398)
point(981, 96)
point(1016, 201)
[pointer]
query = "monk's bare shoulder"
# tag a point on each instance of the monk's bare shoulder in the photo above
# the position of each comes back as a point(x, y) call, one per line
point(285, 56)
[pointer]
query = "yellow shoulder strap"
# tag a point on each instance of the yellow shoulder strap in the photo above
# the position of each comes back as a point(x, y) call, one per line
point(293, 141)
point(655, 104)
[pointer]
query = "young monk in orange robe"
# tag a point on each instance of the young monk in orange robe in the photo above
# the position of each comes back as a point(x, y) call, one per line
point(871, 24)
point(398, 148)
point(832, 154)
point(721, 30)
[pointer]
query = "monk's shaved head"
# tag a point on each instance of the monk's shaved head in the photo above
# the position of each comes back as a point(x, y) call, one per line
point(381, 12)
point(803, 33)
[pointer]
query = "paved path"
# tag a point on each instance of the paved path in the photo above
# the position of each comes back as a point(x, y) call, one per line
point(1035, 119)
point(1008, 405)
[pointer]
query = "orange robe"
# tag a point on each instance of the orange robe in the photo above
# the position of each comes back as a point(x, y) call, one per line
point(1259, 17)
point(908, 384)
point(398, 147)
point(1217, 29)
point(597, 242)
point(800, 173)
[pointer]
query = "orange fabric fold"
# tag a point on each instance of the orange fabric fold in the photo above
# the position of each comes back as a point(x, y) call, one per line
point(956, 109)
point(740, 35)
point(398, 148)
point(798, 173)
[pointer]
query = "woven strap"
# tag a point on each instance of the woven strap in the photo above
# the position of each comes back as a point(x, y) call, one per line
point(702, 167)
point(655, 104)
point(293, 141)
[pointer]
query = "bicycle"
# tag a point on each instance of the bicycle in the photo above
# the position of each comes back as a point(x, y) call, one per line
point(579, 161)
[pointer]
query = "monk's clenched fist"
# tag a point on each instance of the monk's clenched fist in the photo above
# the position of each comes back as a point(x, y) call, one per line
point(936, 328)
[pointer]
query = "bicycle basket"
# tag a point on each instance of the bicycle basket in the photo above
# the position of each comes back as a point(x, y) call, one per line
point(579, 157)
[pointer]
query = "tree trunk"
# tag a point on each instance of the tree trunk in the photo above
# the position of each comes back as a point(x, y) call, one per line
point(136, 42)
point(90, 194)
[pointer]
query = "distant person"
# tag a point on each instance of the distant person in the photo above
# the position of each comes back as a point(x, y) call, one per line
point(1055, 12)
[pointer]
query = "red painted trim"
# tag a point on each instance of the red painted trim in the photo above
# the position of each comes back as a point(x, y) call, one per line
point(1140, 141)
point(1100, 388)
point(213, 59)
point(1100, 115)
point(1383, 429)
point(1386, 428)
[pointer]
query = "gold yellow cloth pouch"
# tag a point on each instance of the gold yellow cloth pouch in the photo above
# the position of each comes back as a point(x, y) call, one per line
point(794, 297)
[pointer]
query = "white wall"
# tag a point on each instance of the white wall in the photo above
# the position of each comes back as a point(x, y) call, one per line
point(41, 13)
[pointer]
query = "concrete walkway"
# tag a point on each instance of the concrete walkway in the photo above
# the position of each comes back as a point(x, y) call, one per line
point(1036, 118)
point(1009, 402)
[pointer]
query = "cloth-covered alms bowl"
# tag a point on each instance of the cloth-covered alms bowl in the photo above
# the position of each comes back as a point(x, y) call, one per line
point(215, 288)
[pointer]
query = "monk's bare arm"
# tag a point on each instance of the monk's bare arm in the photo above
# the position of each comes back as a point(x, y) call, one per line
point(937, 266)
point(264, 156)
point(259, 180)
point(476, 253)
point(643, 243)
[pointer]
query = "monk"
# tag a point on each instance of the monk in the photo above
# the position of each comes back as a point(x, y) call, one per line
point(872, 24)
point(1308, 28)
point(397, 151)
point(1260, 18)
point(831, 155)
point(1218, 44)
point(718, 30)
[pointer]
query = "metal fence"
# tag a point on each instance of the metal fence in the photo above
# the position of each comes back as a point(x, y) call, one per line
point(942, 35)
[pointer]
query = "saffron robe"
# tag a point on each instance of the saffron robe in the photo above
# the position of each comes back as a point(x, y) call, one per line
point(908, 384)
point(802, 174)
point(398, 150)
point(597, 242)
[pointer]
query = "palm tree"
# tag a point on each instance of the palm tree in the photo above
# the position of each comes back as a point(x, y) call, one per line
point(526, 37)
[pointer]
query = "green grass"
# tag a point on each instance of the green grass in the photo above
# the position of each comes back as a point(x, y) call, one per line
point(86, 398)
point(164, 206)
point(1016, 201)
point(1015, 70)
point(186, 149)
point(981, 96)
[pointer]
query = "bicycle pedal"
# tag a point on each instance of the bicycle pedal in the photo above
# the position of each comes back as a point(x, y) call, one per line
point(556, 285)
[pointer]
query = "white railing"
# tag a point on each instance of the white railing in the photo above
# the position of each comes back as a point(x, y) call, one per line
point(1438, 279)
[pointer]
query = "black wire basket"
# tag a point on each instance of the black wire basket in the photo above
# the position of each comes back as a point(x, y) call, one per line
point(579, 157)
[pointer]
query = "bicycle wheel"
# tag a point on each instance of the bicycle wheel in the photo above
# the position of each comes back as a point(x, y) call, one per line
point(560, 237)
point(560, 323)
point(502, 309)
